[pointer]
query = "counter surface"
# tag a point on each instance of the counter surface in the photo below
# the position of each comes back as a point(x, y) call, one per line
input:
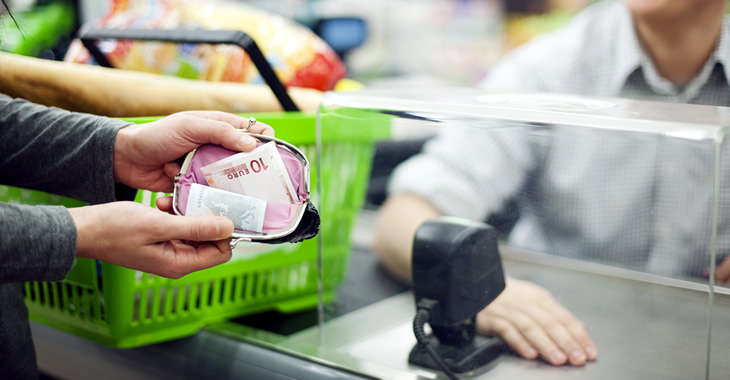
point(645, 327)
point(643, 330)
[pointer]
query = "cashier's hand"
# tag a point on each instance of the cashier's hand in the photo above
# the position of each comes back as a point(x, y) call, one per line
point(534, 324)
point(722, 272)
point(145, 154)
point(140, 237)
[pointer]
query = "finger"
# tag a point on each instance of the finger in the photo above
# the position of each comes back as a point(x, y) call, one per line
point(188, 258)
point(262, 129)
point(164, 204)
point(503, 328)
point(236, 121)
point(538, 337)
point(722, 272)
point(558, 333)
point(198, 228)
point(577, 330)
point(171, 170)
point(211, 254)
point(199, 131)
point(223, 245)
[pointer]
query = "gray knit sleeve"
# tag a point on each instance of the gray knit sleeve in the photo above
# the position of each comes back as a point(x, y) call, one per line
point(59, 152)
point(38, 244)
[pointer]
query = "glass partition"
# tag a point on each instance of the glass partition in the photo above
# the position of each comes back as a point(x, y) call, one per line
point(611, 208)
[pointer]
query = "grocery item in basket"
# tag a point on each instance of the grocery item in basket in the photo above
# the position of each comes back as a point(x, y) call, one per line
point(260, 173)
point(116, 93)
point(282, 222)
point(298, 56)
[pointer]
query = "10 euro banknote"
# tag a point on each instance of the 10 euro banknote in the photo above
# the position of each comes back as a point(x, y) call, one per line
point(260, 173)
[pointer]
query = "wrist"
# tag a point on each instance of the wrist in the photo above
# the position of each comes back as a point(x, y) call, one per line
point(85, 230)
point(122, 145)
point(78, 214)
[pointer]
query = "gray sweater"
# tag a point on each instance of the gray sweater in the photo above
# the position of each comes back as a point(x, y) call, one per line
point(59, 152)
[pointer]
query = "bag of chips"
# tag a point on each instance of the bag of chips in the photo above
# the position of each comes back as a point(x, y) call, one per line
point(298, 56)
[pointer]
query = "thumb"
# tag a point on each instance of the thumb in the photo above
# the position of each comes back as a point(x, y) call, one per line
point(199, 228)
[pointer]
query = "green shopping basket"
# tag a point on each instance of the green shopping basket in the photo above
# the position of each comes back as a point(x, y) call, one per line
point(123, 308)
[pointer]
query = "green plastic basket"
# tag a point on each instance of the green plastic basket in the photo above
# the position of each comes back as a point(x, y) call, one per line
point(124, 308)
point(42, 28)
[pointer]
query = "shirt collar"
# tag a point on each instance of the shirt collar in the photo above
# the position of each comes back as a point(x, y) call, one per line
point(630, 56)
point(628, 52)
point(722, 52)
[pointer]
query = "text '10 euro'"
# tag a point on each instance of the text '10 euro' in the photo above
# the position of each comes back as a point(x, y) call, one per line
point(260, 173)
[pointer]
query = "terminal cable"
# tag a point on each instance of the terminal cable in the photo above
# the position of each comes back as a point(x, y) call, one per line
point(423, 315)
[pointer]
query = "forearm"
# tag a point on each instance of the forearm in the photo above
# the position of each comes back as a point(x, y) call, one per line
point(57, 151)
point(38, 243)
point(399, 218)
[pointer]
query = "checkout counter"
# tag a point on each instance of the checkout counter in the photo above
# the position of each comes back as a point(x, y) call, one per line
point(645, 325)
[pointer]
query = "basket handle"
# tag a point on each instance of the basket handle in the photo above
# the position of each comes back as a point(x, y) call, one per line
point(89, 36)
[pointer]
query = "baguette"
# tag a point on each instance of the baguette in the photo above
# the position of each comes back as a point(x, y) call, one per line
point(123, 93)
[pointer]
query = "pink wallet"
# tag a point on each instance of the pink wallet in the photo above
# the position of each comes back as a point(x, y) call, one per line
point(282, 222)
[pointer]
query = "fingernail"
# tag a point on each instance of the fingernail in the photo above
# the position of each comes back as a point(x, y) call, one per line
point(220, 232)
point(530, 353)
point(245, 142)
point(577, 356)
point(557, 357)
point(591, 352)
